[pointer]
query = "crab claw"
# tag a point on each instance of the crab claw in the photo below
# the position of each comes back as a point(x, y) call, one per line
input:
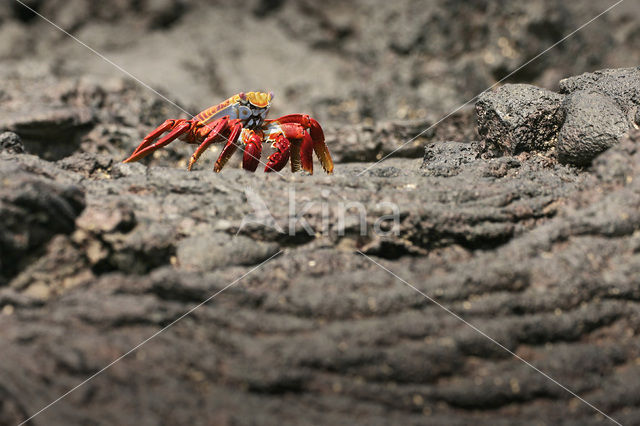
point(252, 150)
point(301, 126)
point(279, 159)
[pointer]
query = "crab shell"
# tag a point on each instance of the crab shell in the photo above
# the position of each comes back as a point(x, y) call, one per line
point(251, 108)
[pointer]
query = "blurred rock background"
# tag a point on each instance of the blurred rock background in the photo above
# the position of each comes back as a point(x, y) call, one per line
point(344, 62)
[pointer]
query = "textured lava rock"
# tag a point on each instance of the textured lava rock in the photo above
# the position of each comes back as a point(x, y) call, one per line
point(402, 138)
point(594, 124)
point(11, 143)
point(589, 116)
point(38, 128)
point(216, 250)
point(602, 106)
point(447, 158)
point(539, 256)
point(448, 50)
point(32, 209)
point(518, 118)
point(621, 85)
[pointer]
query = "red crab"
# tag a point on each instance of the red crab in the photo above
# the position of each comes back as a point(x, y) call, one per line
point(241, 120)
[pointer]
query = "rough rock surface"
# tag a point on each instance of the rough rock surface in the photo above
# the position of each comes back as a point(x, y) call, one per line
point(600, 108)
point(591, 114)
point(33, 208)
point(594, 124)
point(402, 138)
point(540, 256)
point(11, 142)
point(98, 256)
point(517, 118)
point(621, 85)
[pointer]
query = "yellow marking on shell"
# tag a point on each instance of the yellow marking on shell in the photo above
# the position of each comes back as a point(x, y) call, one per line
point(204, 115)
point(259, 99)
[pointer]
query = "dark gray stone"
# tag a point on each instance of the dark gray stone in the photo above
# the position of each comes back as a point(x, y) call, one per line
point(518, 118)
point(33, 209)
point(594, 123)
point(621, 85)
point(447, 158)
point(11, 143)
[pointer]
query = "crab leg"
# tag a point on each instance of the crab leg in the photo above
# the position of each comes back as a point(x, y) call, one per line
point(320, 147)
point(306, 153)
point(230, 148)
point(295, 155)
point(210, 137)
point(167, 125)
point(178, 128)
point(301, 146)
point(252, 150)
point(300, 141)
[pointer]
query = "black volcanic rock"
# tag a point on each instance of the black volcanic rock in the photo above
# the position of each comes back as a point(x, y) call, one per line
point(33, 208)
point(600, 108)
point(11, 142)
point(518, 118)
point(621, 85)
point(540, 256)
point(594, 124)
point(589, 116)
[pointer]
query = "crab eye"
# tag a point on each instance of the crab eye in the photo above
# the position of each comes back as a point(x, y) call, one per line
point(244, 112)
